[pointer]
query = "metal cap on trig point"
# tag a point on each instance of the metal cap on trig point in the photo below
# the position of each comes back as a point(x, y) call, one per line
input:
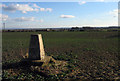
point(36, 48)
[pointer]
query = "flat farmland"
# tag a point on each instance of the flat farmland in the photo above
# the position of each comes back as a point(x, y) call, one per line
point(90, 55)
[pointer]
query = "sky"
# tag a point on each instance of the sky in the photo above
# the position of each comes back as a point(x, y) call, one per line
point(58, 14)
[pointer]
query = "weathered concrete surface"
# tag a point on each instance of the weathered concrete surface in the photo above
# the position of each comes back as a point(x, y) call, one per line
point(42, 52)
point(36, 48)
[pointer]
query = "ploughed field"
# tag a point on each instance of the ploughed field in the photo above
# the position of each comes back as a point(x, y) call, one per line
point(90, 55)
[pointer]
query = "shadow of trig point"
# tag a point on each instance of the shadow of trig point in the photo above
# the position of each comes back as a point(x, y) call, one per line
point(36, 48)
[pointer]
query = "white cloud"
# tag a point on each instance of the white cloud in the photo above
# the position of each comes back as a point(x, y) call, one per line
point(36, 9)
point(46, 9)
point(67, 16)
point(42, 9)
point(81, 2)
point(24, 8)
point(49, 9)
point(3, 17)
point(36, 6)
point(21, 19)
point(114, 12)
point(11, 8)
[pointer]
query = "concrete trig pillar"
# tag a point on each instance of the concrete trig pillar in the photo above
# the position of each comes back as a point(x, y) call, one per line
point(36, 48)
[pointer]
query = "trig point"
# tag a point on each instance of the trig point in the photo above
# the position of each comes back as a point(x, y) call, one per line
point(36, 48)
point(36, 53)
